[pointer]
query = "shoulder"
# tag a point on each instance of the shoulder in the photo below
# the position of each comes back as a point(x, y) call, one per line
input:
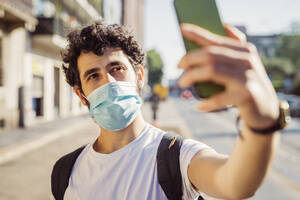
point(61, 172)
point(190, 146)
point(68, 158)
point(154, 134)
point(189, 149)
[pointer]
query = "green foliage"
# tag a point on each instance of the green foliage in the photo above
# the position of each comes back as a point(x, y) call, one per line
point(279, 66)
point(278, 69)
point(155, 65)
point(289, 47)
point(278, 84)
point(286, 63)
point(296, 84)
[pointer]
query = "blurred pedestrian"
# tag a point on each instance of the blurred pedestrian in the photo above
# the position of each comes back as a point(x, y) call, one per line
point(132, 159)
point(154, 99)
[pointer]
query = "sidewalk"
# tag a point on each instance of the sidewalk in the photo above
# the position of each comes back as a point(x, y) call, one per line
point(168, 118)
point(15, 143)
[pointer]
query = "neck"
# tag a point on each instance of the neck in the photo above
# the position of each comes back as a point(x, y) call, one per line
point(110, 141)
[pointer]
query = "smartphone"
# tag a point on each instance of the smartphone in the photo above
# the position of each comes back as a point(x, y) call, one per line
point(203, 13)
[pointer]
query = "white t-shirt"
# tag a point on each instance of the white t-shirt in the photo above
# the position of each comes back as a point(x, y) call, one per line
point(128, 173)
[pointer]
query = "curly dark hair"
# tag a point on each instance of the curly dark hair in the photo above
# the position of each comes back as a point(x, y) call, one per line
point(96, 37)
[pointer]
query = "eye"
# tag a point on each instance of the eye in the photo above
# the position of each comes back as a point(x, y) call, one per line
point(117, 68)
point(93, 76)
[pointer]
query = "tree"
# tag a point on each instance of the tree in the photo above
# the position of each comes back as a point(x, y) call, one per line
point(155, 65)
point(289, 48)
point(296, 84)
point(279, 66)
point(278, 69)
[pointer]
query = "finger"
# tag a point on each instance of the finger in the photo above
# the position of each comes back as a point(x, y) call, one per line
point(234, 33)
point(196, 57)
point(215, 102)
point(201, 74)
point(227, 75)
point(203, 37)
point(214, 55)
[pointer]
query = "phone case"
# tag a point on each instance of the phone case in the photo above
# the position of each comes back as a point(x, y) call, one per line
point(203, 13)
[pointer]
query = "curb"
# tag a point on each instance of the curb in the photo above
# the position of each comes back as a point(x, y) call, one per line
point(12, 152)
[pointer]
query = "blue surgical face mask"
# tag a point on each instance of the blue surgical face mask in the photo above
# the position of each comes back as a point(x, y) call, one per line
point(115, 105)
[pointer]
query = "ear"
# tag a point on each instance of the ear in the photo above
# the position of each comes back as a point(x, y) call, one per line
point(79, 94)
point(140, 76)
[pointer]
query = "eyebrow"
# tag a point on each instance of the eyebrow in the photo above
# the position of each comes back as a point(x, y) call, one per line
point(96, 69)
point(113, 63)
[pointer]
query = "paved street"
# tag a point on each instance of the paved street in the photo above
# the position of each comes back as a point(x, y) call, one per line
point(28, 177)
point(218, 130)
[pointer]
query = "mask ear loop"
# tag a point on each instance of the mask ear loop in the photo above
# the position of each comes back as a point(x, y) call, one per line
point(86, 100)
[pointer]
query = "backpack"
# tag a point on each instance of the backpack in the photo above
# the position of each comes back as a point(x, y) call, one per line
point(168, 168)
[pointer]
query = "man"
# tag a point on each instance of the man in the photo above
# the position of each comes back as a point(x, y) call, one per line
point(105, 68)
point(154, 100)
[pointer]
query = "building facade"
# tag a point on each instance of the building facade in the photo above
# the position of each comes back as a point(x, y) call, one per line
point(16, 22)
point(32, 34)
point(265, 44)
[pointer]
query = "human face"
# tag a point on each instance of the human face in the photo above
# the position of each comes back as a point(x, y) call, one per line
point(113, 65)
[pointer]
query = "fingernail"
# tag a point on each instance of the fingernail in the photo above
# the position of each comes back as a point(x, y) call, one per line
point(185, 27)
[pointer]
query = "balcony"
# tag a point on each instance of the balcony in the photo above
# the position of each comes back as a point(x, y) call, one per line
point(22, 5)
point(84, 10)
point(50, 26)
point(17, 12)
point(50, 34)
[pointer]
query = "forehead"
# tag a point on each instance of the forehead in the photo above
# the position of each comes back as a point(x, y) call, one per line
point(88, 60)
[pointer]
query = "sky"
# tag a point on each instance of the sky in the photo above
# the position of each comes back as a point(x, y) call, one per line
point(260, 17)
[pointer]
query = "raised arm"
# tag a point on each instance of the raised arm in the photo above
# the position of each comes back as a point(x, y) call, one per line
point(234, 63)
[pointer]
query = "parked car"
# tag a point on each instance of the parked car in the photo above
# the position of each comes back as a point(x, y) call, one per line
point(186, 94)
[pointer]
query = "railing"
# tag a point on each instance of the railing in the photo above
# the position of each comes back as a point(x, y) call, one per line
point(22, 5)
point(52, 25)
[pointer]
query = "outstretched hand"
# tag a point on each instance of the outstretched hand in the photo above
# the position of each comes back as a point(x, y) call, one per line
point(233, 62)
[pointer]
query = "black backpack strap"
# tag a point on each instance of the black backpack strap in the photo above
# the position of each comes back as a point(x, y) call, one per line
point(168, 166)
point(61, 173)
